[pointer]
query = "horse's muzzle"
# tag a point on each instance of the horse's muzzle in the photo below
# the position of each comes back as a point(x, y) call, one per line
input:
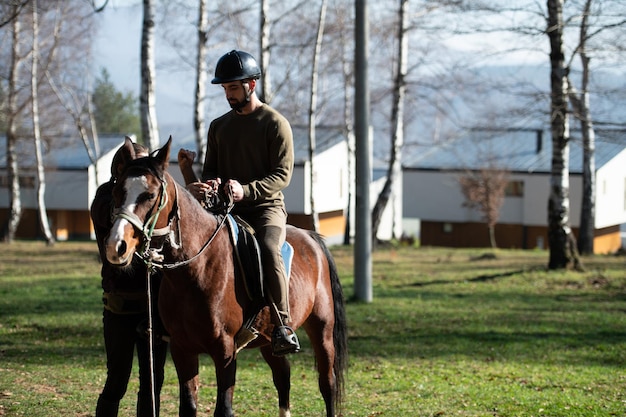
point(118, 251)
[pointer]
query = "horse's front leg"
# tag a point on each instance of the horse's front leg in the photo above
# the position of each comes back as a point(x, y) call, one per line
point(225, 372)
point(281, 374)
point(187, 371)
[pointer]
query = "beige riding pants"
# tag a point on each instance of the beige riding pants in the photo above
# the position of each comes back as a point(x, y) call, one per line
point(269, 224)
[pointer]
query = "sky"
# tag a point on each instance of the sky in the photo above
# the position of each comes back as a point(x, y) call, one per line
point(118, 48)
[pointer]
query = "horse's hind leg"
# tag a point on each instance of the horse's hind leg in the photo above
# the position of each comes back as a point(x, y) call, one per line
point(281, 374)
point(321, 337)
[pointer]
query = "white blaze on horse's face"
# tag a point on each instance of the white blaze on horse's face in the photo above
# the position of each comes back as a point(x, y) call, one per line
point(119, 248)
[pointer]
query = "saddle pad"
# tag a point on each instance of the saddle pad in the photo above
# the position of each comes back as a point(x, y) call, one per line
point(287, 253)
point(286, 250)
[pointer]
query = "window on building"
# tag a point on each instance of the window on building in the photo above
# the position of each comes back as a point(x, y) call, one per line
point(514, 189)
point(25, 181)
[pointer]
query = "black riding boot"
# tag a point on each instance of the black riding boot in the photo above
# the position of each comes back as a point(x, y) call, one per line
point(106, 408)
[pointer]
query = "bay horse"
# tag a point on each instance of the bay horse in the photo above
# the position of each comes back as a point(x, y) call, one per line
point(202, 305)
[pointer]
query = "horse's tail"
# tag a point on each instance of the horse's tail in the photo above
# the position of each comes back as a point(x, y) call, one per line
point(340, 332)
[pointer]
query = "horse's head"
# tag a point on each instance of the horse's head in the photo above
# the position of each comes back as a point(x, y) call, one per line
point(139, 196)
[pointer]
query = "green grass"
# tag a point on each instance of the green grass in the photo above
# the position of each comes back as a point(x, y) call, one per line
point(449, 333)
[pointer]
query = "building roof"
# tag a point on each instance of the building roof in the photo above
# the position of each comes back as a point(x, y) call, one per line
point(526, 150)
point(67, 154)
point(70, 153)
point(326, 137)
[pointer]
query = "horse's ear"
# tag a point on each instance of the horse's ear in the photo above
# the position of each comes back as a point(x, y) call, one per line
point(163, 156)
point(123, 156)
point(128, 150)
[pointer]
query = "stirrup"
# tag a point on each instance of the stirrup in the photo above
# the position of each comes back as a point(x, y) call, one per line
point(284, 341)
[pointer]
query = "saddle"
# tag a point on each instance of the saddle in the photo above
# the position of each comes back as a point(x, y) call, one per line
point(247, 257)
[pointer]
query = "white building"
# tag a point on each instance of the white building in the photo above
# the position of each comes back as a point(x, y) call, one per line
point(433, 197)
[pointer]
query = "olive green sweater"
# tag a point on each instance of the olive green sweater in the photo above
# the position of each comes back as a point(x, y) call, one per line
point(255, 149)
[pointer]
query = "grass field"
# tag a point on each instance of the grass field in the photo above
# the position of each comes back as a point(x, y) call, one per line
point(449, 333)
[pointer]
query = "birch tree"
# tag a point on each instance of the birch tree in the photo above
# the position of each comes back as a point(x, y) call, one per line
point(14, 107)
point(347, 74)
point(58, 26)
point(581, 106)
point(312, 111)
point(201, 79)
point(10, 10)
point(265, 52)
point(397, 119)
point(563, 252)
point(41, 176)
point(147, 99)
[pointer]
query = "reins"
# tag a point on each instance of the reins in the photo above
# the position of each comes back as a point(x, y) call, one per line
point(152, 257)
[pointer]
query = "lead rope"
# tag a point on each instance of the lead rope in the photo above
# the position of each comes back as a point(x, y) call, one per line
point(151, 267)
point(151, 340)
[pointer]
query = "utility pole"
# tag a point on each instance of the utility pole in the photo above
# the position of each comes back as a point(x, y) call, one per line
point(363, 237)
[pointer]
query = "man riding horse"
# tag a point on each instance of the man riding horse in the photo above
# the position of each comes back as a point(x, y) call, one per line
point(250, 155)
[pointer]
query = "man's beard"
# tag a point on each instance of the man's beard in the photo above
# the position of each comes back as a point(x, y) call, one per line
point(238, 105)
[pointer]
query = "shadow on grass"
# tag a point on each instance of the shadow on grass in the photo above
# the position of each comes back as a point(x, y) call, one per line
point(479, 278)
point(566, 325)
point(52, 345)
point(52, 296)
point(557, 348)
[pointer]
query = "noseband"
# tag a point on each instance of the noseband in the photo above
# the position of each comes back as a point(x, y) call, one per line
point(147, 227)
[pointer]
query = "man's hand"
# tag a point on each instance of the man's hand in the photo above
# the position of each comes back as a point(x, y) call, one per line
point(201, 189)
point(235, 188)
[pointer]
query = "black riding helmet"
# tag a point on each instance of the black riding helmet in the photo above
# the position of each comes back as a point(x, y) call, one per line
point(234, 66)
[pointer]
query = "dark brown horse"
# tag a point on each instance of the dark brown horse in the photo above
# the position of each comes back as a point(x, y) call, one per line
point(201, 303)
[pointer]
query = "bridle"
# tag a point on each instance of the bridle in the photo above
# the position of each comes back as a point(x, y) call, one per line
point(152, 256)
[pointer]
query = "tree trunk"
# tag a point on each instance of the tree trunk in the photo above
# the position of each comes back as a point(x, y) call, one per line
point(348, 123)
point(15, 203)
point(588, 209)
point(588, 206)
point(41, 176)
point(147, 109)
point(312, 111)
point(492, 237)
point(94, 134)
point(265, 49)
point(397, 115)
point(201, 77)
point(561, 240)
